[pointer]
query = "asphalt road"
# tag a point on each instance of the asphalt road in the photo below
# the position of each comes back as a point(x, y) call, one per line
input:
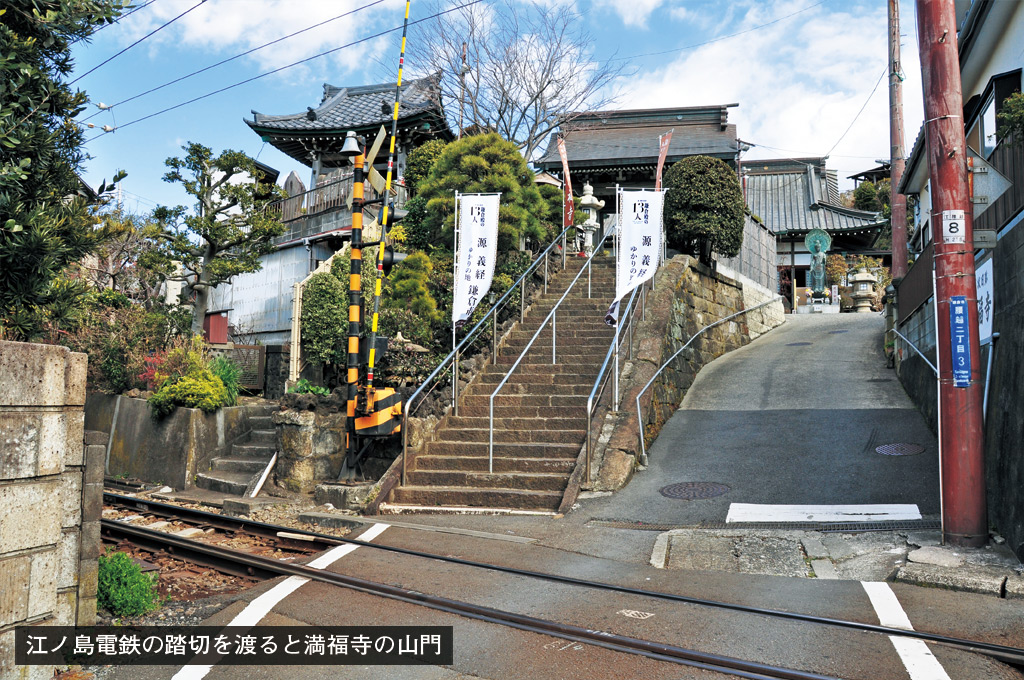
point(793, 418)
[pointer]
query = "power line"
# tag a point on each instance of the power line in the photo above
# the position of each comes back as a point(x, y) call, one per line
point(724, 37)
point(884, 72)
point(282, 68)
point(124, 16)
point(237, 56)
point(151, 33)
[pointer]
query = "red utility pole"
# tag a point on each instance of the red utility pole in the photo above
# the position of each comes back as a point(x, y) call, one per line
point(898, 202)
point(961, 437)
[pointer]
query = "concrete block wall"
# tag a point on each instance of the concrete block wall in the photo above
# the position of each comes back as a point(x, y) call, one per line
point(51, 495)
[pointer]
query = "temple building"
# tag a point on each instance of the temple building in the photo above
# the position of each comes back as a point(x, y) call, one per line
point(318, 218)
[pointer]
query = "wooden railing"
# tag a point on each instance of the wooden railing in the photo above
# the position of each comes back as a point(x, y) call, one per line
point(333, 194)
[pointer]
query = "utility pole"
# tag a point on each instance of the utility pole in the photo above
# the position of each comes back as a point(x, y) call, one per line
point(961, 436)
point(898, 202)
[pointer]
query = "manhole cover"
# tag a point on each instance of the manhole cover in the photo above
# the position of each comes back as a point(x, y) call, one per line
point(900, 449)
point(834, 332)
point(797, 344)
point(690, 491)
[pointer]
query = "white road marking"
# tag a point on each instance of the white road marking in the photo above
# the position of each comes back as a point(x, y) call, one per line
point(752, 512)
point(263, 604)
point(918, 659)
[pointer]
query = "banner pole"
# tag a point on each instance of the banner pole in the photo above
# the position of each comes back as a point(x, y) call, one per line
point(455, 278)
point(618, 254)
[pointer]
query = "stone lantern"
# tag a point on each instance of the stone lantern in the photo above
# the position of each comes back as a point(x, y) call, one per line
point(590, 206)
point(863, 283)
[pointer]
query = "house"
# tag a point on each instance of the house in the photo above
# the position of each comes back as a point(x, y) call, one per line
point(620, 148)
point(989, 39)
point(319, 219)
point(792, 196)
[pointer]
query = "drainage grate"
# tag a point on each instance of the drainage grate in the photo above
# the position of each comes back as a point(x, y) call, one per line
point(689, 491)
point(797, 344)
point(824, 527)
point(900, 449)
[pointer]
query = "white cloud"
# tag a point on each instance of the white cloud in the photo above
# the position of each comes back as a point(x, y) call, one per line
point(799, 83)
point(632, 12)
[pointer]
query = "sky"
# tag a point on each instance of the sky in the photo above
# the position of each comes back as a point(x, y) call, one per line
point(808, 75)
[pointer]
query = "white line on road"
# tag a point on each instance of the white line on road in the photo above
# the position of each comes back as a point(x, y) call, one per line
point(262, 605)
point(752, 512)
point(919, 661)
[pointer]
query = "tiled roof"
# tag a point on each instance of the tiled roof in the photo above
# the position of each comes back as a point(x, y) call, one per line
point(346, 108)
point(788, 199)
point(610, 146)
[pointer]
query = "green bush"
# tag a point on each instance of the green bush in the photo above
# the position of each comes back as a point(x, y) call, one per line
point(325, 318)
point(417, 236)
point(410, 286)
point(229, 373)
point(420, 161)
point(303, 386)
point(123, 589)
point(704, 209)
point(199, 389)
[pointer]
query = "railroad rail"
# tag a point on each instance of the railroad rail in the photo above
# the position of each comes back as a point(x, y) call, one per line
point(1011, 655)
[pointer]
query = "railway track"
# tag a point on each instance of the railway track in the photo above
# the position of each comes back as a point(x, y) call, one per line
point(262, 567)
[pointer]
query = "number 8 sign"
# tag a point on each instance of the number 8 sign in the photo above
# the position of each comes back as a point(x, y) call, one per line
point(953, 226)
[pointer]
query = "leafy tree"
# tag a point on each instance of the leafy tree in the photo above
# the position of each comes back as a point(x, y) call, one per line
point(416, 235)
point(704, 208)
point(865, 197)
point(1011, 118)
point(420, 161)
point(127, 260)
point(483, 164)
point(835, 268)
point(228, 230)
point(409, 287)
point(46, 222)
point(324, 319)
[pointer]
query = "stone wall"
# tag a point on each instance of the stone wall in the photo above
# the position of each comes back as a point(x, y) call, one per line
point(756, 259)
point(310, 440)
point(687, 297)
point(51, 496)
point(168, 451)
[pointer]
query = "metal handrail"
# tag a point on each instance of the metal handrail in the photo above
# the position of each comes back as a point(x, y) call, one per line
point(914, 347)
point(639, 415)
point(629, 315)
point(552, 316)
point(469, 338)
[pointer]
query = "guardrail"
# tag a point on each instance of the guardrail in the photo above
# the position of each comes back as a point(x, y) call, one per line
point(552, 317)
point(914, 347)
point(452, 360)
point(639, 414)
point(614, 349)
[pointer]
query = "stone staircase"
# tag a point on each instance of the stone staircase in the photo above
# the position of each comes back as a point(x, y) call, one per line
point(539, 415)
point(249, 457)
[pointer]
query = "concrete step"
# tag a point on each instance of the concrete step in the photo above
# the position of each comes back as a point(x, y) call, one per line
point(462, 422)
point(538, 376)
point(453, 434)
point(516, 401)
point(255, 451)
point(262, 422)
point(534, 366)
point(503, 449)
point(224, 482)
point(266, 437)
point(481, 409)
point(478, 498)
point(248, 465)
point(590, 358)
point(533, 481)
point(602, 332)
point(502, 464)
point(580, 389)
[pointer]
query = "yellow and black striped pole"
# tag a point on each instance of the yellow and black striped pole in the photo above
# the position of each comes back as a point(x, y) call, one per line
point(384, 219)
point(355, 304)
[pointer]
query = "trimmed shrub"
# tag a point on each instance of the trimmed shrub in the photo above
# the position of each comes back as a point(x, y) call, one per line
point(704, 210)
point(199, 389)
point(324, 318)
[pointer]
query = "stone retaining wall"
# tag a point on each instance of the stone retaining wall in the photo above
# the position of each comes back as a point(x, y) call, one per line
point(51, 496)
point(687, 296)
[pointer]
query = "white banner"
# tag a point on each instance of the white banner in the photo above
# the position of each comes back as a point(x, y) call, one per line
point(477, 236)
point(639, 240)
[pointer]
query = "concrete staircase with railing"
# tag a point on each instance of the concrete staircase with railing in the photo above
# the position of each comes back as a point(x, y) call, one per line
point(539, 415)
point(249, 457)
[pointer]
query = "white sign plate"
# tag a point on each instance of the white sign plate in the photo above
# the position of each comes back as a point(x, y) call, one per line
point(953, 226)
point(983, 277)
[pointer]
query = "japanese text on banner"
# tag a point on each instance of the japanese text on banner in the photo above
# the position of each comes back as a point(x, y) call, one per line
point(639, 239)
point(478, 245)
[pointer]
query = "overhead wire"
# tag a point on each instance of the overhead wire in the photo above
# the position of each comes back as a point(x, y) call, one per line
point(850, 126)
point(237, 56)
point(119, 19)
point(282, 68)
point(148, 35)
